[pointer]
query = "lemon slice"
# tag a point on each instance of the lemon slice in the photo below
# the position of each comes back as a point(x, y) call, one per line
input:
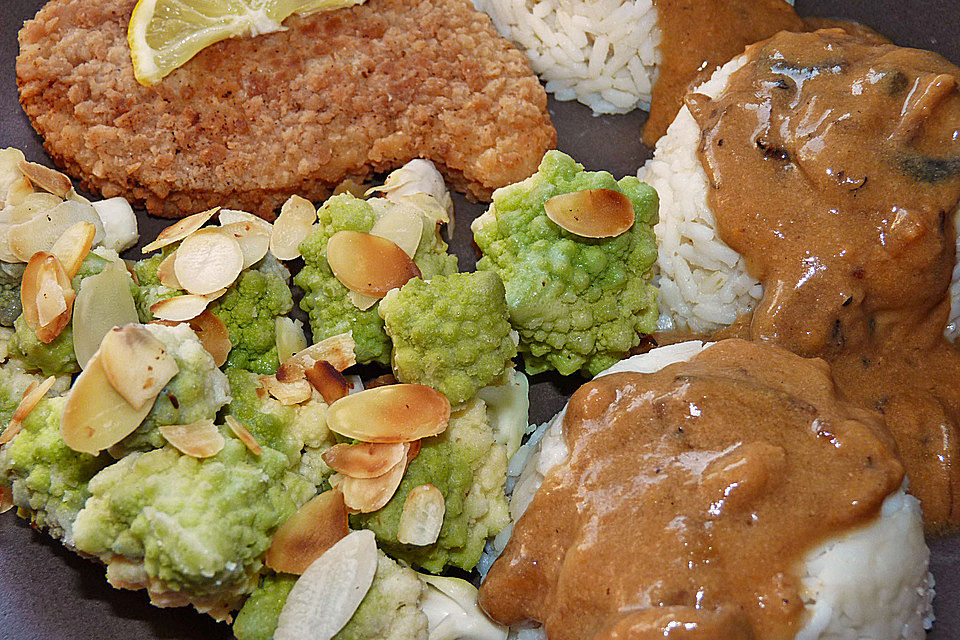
point(165, 34)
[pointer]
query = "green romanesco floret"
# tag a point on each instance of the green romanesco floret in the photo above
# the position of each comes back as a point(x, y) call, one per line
point(10, 307)
point(49, 480)
point(250, 309)
point(54, 358)
point(196, 392)
point(270, 422)
point(389, 611)
point(451, 333)
point(578, 303)
point(470, 469)
point(198, 526)
point(325, 298)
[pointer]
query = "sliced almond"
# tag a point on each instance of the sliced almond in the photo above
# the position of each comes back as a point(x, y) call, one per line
point(6, 499)
point(422, 516)
point(403, 225)
point(46, 296)
point(253, 239)
point(338, 350)
point(288, 393)
point(414, 450)
point(393, 413)
point(365, 459)
point(290, 337)
point(595, 213)
point(180, 308)
point(136, 364)
point(307, 534)
point(241, 431)
point(95, 416)
point(292, 227)
point(50, 301)
point(214, 336)
point(180, 229)
point(366, 495)
point(43, 231)
point(32, 396)
point(382, 381)
point(361, 301)
point(166, 273)
point(104, 302)
point(46, 178)
point(369, 264)
point(229, 216)
point(207, 261)
point(328, 593)
point(31, 206)
point(17, 192)
point(73, 246)
point(330, 383)
point(201, 439)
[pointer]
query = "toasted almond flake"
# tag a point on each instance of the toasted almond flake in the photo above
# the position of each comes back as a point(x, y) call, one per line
point(331, 384)
point(288, 393)
point(46, 178)
point(253, 239)
point(351, 186)
point(229, 216)
point(369, 264)
point(307, 534)
point(338, 350)
point(180, 229)
point(213, 335)
point(365, 459)
point(290, 337)
point(595, 213)
point(393, 413)
point(328, 593)
point(382, 381)
point(50, 301)
point(34, 204)
point(46, 296)
point(208, 260)
point(201, 439)
point(361, 301)
point(42, 232)
point(73, 246)
point(103, 302)
point(414, 450)
point(402, 225)
point(136, 364)
point(6, 499)
point(422, 516)
point(6, 255)
point(95, 416)
point(32, 396)
point(180, 308)
point(167, 275)
point(17, 192)
point(365, 495)
point(292, 227)
point(241, 431)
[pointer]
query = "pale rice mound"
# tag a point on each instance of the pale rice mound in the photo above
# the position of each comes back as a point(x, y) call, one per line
point(872, 582)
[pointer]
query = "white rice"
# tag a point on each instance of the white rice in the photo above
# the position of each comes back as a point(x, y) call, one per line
point(869, 583)
point(703, 283)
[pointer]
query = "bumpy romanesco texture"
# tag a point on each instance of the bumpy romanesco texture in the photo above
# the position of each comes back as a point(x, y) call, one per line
point(470, 469)
point(14, 380)
point(578, 303)
point(53, 359)
point(249, 309)
point(49, 480)
point(196, 393)
point(10, 307)
point(198, 526)
point(270, 422)
point(451, 333)
point(149, 289)
point(325, 299)
point(389, 611)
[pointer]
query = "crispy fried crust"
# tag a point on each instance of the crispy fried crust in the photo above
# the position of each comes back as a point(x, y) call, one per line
point(248, 122)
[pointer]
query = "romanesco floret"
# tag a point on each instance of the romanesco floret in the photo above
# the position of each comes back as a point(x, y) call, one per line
point(14, 380)
point(325, 299)
point(451, 333)
point(49, 480)
point(389, 611)
point(197, 392)
point(149, 289)
point(10, 307)
point(470, 469)
point(198, 527)
point(249, 309)
point(578, 303)
point(270, 422)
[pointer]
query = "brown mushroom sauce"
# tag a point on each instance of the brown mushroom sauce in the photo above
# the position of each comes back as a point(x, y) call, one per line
point(834, 166)
point(689, 498)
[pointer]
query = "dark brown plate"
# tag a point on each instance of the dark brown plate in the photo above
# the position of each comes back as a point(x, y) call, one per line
point(49, 593)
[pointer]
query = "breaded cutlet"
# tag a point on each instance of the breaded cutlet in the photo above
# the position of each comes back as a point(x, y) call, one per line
point(250, 121)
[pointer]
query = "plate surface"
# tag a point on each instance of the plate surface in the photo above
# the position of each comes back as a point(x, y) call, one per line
point(49, 593)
